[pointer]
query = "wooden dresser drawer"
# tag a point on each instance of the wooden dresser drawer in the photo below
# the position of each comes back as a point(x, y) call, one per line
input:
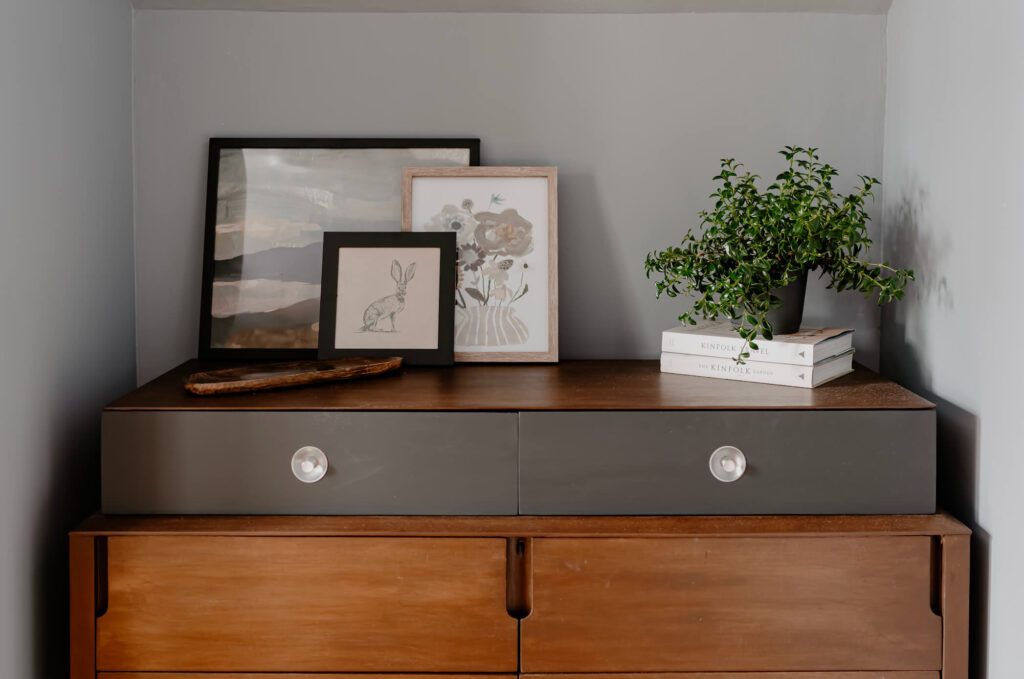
point(271, 675)
point(704, 675)
point(194, 462)
point(276, 604)
point(661, 675)
point(747, 604)
point(263, 675)
point(798, 462)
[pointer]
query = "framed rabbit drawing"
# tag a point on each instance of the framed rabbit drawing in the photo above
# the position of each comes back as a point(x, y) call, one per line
point(390, 306)
point(388, 294)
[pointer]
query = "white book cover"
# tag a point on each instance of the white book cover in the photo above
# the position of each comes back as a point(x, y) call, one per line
point(767, 373)
point(718, 338)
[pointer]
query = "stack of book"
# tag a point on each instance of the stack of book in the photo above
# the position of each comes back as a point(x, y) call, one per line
point(806, 358)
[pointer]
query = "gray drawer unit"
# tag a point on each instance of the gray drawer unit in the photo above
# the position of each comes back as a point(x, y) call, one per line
point(195, 462)
point(797, 462)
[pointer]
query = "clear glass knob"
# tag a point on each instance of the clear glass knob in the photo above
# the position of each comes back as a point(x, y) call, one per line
point(309, 464)
point(727, 464)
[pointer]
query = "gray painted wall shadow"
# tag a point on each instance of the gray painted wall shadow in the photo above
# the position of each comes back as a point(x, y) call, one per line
point(957, 440)
point(905, 244)
point(71, 494)
point(586, 246)
point(921, 251)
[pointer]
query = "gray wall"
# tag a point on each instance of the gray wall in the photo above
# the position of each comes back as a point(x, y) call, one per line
point(66, 297)
point(635, 110)
point(954, 144)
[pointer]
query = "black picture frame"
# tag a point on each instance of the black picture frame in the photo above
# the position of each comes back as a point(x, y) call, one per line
point(216, 146)
point(444, 354)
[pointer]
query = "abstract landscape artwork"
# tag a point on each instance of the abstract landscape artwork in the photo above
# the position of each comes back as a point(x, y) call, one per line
point(388, 294)
point(269, 204)
point(505, 224)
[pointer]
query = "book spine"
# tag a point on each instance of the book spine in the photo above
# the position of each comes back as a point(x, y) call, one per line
point(723, 347)
point(726, 368)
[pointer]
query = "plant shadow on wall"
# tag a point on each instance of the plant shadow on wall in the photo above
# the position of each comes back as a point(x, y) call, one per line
point(751, 262)
point(958, 429)
point(594, 302)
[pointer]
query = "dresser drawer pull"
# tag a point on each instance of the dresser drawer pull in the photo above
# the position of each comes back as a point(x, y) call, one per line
point(727, 464)
point(309, 464)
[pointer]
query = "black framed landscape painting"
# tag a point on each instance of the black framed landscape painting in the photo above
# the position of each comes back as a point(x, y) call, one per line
point(269, 203)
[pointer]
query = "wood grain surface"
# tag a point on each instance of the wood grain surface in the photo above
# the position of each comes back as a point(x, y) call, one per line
point(201, 604)
point(663, 675)
point(743, 675)
point(263, 376)
point(731, 605)
point(290, 675)
point(82, 611)
point(571, 385)
point(525, 526)
point(956, 572)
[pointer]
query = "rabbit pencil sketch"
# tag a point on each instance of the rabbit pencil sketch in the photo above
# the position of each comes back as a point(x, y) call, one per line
point(390, 306)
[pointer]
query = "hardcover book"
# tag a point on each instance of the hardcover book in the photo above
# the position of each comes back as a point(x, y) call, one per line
point(718, 338)
point(789, 375)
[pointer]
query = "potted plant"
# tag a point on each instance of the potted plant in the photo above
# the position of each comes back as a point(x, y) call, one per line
point(751, 261)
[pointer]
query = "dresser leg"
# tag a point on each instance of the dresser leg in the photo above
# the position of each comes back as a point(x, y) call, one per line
point(82, 562)
point(956, 565)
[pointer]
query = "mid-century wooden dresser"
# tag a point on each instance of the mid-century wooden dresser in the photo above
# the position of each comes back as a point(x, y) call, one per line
point(598, 520)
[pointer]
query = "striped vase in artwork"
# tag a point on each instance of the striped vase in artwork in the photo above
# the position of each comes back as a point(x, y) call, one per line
point(489, 326)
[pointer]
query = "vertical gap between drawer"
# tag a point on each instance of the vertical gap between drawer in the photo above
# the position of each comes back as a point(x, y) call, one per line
point(100, 575)
point(519, 454)
point(519, 577)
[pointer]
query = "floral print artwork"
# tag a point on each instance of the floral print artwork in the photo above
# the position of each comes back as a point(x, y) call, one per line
point(493, 272)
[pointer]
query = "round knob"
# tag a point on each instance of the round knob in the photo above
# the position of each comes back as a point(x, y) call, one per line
point(309, 464)
point(727, 464)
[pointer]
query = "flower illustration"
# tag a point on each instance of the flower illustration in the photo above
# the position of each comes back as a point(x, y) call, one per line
point(496, 272)
point(455, 220)
point(471, 256)
point(500, 292)
point(506, 233)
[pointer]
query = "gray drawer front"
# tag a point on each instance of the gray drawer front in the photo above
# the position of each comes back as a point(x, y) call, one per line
point(239, 463)
point(818, 462)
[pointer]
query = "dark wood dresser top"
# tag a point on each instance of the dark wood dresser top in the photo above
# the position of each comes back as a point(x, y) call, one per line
point(570, 385)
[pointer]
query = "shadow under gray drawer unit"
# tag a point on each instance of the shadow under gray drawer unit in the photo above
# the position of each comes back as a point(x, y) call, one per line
point(578, 438)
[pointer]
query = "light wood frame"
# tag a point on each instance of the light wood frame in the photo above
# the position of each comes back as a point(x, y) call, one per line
point(551, 175)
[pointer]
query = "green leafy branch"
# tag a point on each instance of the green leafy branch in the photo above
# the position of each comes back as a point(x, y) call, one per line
point(756, 241)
